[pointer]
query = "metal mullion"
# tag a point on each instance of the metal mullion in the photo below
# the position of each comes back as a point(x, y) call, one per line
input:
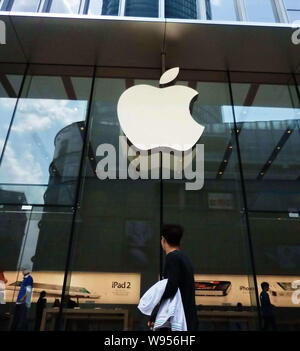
point(161, 9)
point(122, 6)
point(275, 11)
point(201, 13)
point(47, 6)
point(245, 199)
point(7, 5)
point(281, 11)
point(81, 7)
point(202, 10)
point(241, 10)
point(76, 207)
point(20, 92)
point(85, 7)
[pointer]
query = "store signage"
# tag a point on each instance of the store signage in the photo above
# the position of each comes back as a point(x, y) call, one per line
point(220, 201)
point(158, 124)
point(159, 117)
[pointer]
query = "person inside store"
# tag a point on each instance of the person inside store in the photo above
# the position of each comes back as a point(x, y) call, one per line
point(180, 274)
point(40, 305)
point(267, 309)
point(70, 303)
point(56, 303)
point(20, 319)
point(3, 282)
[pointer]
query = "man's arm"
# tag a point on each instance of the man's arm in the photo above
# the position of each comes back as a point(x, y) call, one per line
point(173, 273)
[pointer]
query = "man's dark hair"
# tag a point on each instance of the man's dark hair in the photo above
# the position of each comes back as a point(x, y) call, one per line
point(172, 233)
point(264, 285)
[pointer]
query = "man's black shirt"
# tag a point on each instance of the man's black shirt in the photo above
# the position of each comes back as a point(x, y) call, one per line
point(180, 274)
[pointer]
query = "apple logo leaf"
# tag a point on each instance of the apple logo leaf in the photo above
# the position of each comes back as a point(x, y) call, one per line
point(169, 75)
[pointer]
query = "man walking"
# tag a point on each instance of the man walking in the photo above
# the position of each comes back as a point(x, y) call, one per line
point(180, 275)
point(267, 308)
point(23, 302)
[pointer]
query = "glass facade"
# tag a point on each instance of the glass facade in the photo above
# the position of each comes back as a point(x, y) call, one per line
point(65, 6)
point(141, 8)
point(223, 10)
point(45, 140)
point(105, 7)
point(269, 11)
point(98, 239)
point(25, 5)
point(260, 10)
point(293, 10)
point(181, 9)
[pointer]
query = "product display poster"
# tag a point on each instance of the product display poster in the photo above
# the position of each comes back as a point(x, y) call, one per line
point(85, 287)
point(229, 290)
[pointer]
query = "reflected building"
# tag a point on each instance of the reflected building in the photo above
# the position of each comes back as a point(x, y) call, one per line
point(12, 229)
point(110, 7)
point(181, 9)
point(64, 168)
point(54, 231)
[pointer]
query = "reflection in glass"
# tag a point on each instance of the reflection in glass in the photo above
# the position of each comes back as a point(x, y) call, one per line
point(268, 123)
point(292, 4)
point(103, 7)
point(95, 7)
point(65, 6)
point(142, 8)
point(221, 10)
point(181, 9)
point(277, 258)
point(260, 10)
point(9, 87)
point(220, 256)
point(293, 9)
point(26, 239)
point(45, 143)
point(127, 210)
point(26, 5)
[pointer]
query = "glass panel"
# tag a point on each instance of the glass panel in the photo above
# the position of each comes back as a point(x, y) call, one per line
point(65, 6)
point(27, 236)
point(10, 82)
point(120, 260)
point(25, 5)
point(294, 15)
point(275, 239)
point(260, 11)
point(95, 7)
point(292, 4)
point(268, 118)
point(142, 8)
point(221, 10)
point(223, 281)
point(42, 156)
point(109, 7)
point(181, 9)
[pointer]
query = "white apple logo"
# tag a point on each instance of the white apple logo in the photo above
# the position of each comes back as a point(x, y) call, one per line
point(159, 117)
